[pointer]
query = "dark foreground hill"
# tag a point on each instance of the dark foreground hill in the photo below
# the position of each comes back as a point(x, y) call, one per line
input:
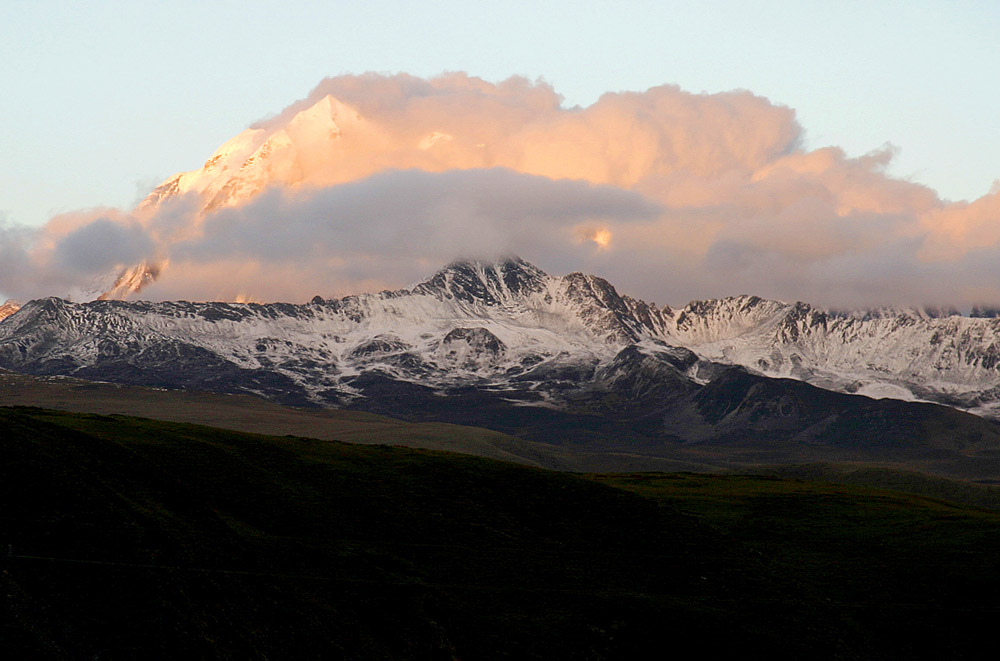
point(129, 538)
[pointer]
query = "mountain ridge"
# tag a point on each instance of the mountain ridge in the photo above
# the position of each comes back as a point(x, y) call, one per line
point(501, 344)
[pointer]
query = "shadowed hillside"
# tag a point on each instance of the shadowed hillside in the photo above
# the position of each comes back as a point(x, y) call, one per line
point(133, 538)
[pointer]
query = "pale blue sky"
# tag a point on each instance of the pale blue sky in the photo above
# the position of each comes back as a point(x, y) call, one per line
point(101, 100)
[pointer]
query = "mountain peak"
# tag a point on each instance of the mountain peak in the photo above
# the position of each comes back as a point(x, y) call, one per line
point(328, 116)
point(487, 282)
point(508, 262)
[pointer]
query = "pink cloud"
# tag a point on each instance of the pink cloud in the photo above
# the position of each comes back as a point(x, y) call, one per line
point(376, 180)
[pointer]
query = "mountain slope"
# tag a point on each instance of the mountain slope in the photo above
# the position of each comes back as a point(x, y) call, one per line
point(251, 414)
point(313, 147)
point(903, 353)
point(135, 539)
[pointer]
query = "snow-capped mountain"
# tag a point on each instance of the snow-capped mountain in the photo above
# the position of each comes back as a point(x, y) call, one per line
point(313, 147)
point(317, 146)
point(508, 327)
point(470, 323)
point(898, 353)
point(328, 143)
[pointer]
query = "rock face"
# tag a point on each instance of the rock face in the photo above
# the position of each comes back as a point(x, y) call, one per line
point(504, 345)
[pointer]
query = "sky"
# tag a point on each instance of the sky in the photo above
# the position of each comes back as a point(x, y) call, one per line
point(102, 101)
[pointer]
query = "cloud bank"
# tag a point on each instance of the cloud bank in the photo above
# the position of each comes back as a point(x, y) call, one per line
point(670, 195)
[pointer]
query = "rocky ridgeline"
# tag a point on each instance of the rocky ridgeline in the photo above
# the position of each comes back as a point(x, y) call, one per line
point(510, 327)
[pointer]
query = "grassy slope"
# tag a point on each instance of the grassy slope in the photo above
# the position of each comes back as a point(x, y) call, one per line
point(133, 538)
point(254, 415)
point(912, 577)
point(880, 477)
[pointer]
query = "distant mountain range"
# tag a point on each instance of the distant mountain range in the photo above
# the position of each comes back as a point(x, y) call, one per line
point(505, 328)
point(567, 360)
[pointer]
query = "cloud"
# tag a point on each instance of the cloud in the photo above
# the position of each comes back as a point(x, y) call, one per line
point(102, 244)
point(16, 272)
point(391, 228)
point(73, 255)
point(669, 194)
point(632, 140)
